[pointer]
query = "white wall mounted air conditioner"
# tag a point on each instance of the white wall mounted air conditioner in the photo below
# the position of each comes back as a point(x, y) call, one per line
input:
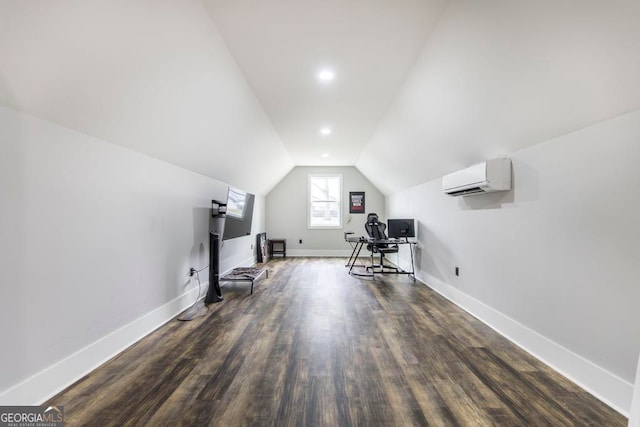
point(486, 177)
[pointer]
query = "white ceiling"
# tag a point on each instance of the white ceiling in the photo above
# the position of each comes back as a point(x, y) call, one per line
point(228, 88)
point(281, 45)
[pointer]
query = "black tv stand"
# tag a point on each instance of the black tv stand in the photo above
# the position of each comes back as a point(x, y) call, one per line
point(214, 294)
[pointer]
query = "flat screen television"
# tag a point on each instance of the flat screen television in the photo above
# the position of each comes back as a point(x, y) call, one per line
point(239, 214)
point(397, 228)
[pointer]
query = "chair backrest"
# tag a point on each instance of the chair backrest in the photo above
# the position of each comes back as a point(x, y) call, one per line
point(375, 228)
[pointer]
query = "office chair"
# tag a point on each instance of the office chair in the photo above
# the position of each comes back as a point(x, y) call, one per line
point(375, 230)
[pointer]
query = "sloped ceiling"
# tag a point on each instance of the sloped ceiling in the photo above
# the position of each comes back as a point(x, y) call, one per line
point(281, 45)
point(228, 89)
point(152, 76)
point(500, 75)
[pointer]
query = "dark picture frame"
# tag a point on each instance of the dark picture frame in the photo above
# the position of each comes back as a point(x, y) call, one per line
point(356, 202)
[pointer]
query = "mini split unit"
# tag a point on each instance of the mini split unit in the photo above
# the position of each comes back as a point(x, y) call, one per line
point(485, 177)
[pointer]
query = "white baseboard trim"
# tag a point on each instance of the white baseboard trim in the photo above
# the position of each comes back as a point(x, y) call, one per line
point(634, 416)
point(249, 262)
point(610, 389)
point(345, 253)
point(403, 264)
point(47, 383)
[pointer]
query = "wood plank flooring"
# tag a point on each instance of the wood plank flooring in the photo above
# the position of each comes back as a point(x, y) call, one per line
point(314, 346)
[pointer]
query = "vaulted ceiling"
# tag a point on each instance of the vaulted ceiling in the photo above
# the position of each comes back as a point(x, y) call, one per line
point(230, 89)
point(282, 45)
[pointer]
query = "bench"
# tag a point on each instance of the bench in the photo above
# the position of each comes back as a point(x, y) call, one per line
point(245, 274)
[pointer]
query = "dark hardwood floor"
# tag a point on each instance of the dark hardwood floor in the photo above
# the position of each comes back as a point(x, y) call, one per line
point(314, 346)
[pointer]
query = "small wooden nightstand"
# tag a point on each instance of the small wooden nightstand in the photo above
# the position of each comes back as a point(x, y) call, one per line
point(278, 247)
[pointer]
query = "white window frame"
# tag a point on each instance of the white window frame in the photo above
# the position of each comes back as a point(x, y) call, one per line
point(339, 201)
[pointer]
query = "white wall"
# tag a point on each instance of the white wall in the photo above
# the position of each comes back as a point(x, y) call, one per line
point(286, 212)
point(95, 237)
point(557, 255)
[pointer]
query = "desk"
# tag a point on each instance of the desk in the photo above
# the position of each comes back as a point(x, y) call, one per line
point(361, 241)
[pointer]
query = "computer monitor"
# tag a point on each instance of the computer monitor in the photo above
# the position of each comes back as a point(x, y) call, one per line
point(397, 228)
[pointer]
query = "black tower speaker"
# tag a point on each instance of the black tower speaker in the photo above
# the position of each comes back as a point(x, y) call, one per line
point(214, 294)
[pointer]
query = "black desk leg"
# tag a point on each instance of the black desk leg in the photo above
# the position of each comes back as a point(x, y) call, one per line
point(359, 247)
point(413, 267)
point(351, 257)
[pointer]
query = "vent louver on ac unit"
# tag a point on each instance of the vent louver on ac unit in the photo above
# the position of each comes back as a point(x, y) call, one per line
point(486, 177)
point(473, 190)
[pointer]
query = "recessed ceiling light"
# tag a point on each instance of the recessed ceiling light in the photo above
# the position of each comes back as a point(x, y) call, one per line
point(326, 75)
point(325, 155)
point(325, 131)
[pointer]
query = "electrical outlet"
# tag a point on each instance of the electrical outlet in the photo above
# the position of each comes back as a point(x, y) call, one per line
point(457, 271)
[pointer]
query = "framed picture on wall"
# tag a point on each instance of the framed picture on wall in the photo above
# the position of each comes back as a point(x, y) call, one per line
point(356, 202)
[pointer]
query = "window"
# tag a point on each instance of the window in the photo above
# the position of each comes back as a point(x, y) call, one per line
point(325, 194)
